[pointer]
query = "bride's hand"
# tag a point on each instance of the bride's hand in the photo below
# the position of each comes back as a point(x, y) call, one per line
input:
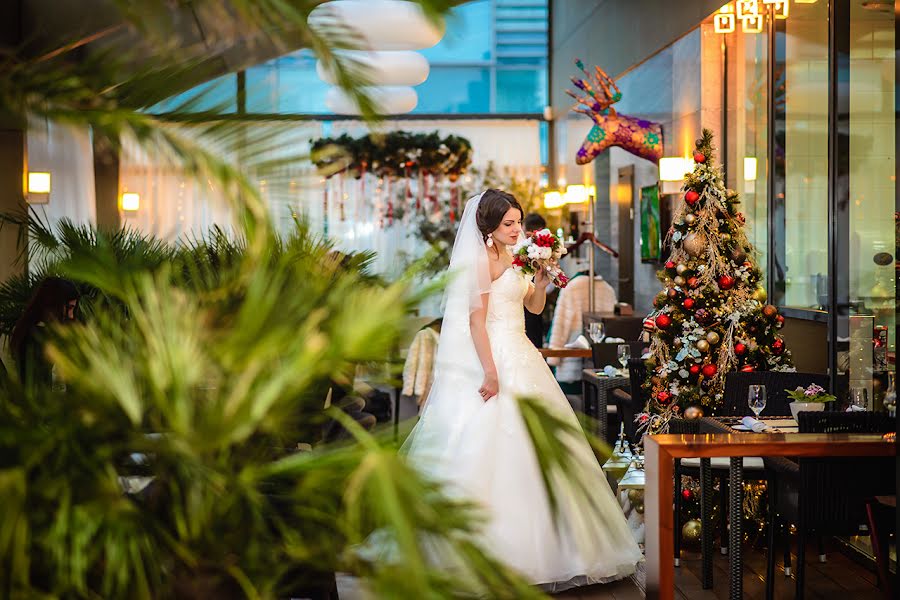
point(541, 278)
point(489, 387)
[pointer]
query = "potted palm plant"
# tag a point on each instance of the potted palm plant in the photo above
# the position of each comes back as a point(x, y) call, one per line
point(811, 398)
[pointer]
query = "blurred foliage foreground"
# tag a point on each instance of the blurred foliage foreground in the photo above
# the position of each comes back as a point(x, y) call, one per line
point(199, 368)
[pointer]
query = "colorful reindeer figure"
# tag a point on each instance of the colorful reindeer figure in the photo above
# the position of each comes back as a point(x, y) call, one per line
point(641, 138)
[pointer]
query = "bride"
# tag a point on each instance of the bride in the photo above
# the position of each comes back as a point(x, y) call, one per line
point(471, 435)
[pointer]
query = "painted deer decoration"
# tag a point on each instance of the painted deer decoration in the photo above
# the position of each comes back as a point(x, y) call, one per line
point(598, 94)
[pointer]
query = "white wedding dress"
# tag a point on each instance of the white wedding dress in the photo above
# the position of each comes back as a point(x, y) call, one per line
point(482, 452)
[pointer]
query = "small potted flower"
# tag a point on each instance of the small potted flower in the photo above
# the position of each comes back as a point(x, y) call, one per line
point(813, 398)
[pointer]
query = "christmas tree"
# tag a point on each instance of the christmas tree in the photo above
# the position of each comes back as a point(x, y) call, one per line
point(712, 316)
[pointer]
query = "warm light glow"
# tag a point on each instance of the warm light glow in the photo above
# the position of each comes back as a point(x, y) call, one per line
point(727, 8)
point(782, 9)
point(674, 168)
point(805, 1)
point(38, 182)
point(553, 200)
point(576, 194)
point(752, 24)
point(747, 8)
point(749, 168)
point(131, 201)
point(724, 22)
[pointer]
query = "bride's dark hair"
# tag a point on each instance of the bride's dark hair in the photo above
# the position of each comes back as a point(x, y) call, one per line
point(491, 209)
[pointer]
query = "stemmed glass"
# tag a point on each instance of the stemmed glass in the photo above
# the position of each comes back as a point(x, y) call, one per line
point(624, 353)
point(756, 398)
point(595, 330)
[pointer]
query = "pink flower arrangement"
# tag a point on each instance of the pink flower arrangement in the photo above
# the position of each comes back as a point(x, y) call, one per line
point(540, 251)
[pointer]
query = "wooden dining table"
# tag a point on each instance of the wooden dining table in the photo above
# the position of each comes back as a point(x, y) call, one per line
point(660, 452)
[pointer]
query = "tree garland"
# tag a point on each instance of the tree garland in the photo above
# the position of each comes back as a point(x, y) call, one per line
point(394, 154)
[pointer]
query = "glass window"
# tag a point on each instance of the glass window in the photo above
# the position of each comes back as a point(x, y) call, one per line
point(468, 37)
point(455, 90)
point(521, 90)
point(212, 95)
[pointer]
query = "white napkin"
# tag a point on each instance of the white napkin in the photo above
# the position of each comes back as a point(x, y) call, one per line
point(754, 425)
point(579, 342)
point(610, 371)
point(854, 408)
point(613, 340)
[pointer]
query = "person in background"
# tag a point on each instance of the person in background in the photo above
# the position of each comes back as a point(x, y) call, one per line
point(534, 324)
point(53, 301)
point(567, 325)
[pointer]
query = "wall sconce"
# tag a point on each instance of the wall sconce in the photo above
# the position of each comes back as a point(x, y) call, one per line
point(38, 187)
point(724, 22)
point(576, 194)
point(782, 9)
point(672, 170)
point(131, 201)
point(749, 168)
point(553, 200)
point(747, 8)
point(753, 24)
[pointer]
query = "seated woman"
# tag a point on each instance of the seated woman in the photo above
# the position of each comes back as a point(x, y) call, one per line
point(54, 300)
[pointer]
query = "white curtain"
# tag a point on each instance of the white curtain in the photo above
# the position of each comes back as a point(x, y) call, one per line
point(353, 213)
point(67, 154)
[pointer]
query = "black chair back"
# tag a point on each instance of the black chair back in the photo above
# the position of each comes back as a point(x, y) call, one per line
point(637, 374)
point(776, 382)
point(835, 490)
point(608, 354)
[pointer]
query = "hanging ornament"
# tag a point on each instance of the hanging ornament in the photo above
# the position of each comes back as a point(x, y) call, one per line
point(663, 321)
point(693, 282)
point(681, 269)
point(694, 370)
point(770, 311)
point(740, 349)
point(690, 218)
point(693, 412)
point(688, 303)
point(694, 244)
point(691, 197)
point(672, 293)
point(670, 265)
point(663, 397)
point(738, 255)
point(712, 337)
point(690, 532)
point(679, 280)
point(639, 508)
point(778, 347)
point(702, 345)
point(709, 370)
point(703, 316)
point(779, 321)
point(687, 494)
point(699, 157)
point(635, 495)
point(649, 325)
point(726, 282)
point(725, 237)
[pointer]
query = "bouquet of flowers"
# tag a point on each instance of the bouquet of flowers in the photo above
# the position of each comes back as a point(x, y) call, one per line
point(540, 251)
point(812, 393)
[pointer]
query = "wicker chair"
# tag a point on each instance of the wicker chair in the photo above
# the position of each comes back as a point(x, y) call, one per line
point(826, 496)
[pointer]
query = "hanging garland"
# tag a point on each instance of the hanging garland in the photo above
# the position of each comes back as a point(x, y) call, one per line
point(395, 154)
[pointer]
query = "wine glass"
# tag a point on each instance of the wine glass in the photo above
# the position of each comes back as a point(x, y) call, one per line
point(624, 353)
point(859, 398)
point(756, 398)
point(595, 330)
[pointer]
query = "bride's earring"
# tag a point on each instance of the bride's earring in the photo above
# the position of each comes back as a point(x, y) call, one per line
point(490, 240)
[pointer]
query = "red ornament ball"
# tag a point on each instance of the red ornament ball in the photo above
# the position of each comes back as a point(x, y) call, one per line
point(663, 397)
point(779, 321)
point(726, 282)
point(693, 282)
point(747, 368)
point(703, 316)
point(663, 321)
point(770, 311)
point(691, 197)
point(778, 347)
point(694, 369)
point(670, 264)
point(699, 157)
point(687, 494)
point(688, 303)
point(740, 349)
point(709, 370)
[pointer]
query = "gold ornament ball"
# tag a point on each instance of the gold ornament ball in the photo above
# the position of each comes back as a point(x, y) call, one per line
point(681, 268)
point(726, 237)
point(693, 412)
point(702, 345)
point(760, 295)
point(689, 219)
point(639, 509)
point(738, 255)
point(712, 337)
point(635, 496)
point(694, 244)
point(679, 280)
point(691, 531)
